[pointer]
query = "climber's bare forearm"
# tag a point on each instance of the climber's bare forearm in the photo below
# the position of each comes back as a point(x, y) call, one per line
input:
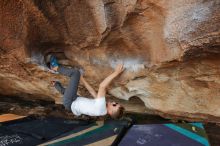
point(88, 87)
point(105, 83)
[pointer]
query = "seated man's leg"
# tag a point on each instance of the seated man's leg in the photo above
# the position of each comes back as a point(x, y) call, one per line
point(70, 93)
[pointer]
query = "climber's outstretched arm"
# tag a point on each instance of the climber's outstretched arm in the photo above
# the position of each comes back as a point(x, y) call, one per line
point(106, 82)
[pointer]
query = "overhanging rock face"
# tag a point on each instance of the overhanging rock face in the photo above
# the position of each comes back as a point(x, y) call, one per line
point(170, 50)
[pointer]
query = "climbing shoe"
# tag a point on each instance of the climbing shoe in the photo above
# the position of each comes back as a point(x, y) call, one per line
point(53, 62)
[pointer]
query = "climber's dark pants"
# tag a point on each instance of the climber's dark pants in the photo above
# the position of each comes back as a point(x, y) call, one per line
point(70, 93)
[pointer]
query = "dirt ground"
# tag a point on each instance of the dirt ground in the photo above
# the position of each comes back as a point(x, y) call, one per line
point(43, 109)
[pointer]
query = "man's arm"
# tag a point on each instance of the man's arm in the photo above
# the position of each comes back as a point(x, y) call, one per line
point(105, 83)
point(88, 87)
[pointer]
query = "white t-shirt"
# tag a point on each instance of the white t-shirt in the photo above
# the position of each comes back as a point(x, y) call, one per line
point(91, 107)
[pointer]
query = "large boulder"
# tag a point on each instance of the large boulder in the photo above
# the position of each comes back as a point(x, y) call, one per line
point(170, 50)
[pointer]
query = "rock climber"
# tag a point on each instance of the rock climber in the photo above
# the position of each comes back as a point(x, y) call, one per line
point(96, 106)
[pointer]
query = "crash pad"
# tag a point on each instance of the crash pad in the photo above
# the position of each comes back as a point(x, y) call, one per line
point(34, 131)
point(99, 134)
point(183, 134)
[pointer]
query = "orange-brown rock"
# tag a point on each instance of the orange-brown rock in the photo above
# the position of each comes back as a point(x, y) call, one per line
point(170, 50)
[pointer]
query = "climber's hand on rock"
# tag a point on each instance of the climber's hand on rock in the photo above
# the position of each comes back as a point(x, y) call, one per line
point(119, 69)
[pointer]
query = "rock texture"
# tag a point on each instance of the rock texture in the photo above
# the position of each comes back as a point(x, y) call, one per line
point(170, 50)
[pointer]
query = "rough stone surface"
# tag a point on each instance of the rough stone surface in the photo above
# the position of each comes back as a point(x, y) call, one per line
point(170, 50)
